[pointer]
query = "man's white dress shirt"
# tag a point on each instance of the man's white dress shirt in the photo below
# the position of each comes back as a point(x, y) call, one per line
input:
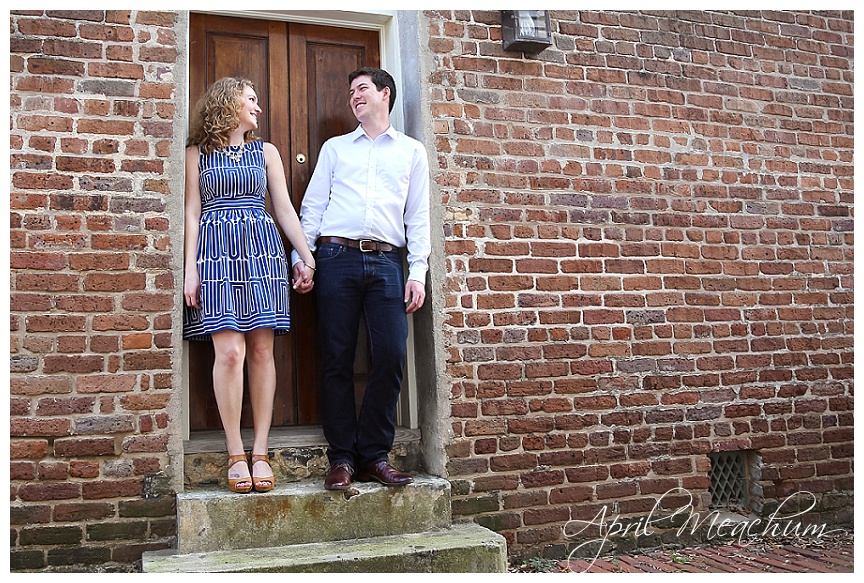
point(365, 189)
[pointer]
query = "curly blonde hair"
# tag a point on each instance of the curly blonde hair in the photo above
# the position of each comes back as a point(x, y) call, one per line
point(217, 115)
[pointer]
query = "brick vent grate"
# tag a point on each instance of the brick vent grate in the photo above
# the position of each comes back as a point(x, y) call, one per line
point(728, 480)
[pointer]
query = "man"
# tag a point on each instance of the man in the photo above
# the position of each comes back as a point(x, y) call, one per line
point(367, 199)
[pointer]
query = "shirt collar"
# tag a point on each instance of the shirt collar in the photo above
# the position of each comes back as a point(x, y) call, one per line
point(358, 133)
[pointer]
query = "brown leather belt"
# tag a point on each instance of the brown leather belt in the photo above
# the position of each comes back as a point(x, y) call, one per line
point(365, 245)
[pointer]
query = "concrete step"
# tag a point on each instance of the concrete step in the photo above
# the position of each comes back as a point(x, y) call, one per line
point(296, 453)
point(463, 548)
point(304, 512)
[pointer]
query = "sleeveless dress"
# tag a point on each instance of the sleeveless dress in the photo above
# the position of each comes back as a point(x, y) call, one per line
point(241, 259)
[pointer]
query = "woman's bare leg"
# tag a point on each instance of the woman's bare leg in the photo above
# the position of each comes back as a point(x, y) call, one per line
point(262, 391)
point(230, 352)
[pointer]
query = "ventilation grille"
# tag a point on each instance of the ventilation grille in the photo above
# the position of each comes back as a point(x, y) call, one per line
point(729, 480)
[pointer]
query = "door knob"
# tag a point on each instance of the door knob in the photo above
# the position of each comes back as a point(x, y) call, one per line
point(301, 158)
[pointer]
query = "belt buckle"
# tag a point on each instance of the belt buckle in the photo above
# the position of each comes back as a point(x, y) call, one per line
point(363, 249)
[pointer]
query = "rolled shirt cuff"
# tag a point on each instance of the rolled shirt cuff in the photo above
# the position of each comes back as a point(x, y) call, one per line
point(418, 273)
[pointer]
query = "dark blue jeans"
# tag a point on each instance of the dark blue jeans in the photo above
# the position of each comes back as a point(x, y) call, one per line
point(350, 283)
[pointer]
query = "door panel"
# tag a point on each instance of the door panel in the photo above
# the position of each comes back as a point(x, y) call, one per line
point(300, 74)
point(228, 47)
point(320, 64)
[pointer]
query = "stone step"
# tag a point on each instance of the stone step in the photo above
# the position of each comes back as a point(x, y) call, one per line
point(296, 453)
point(463, 548)
point(210, 519)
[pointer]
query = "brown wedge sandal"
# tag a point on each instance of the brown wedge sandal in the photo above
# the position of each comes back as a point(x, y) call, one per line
point(239, 485)
point(262, 483)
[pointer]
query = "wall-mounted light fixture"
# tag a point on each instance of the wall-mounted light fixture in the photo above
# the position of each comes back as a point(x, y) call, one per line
point(527, 31)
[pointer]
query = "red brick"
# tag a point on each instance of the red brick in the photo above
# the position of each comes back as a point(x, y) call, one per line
point(98, 261)
point(73, 364)
point(57, 406)
point(46, 282)
point(619, 489)
point(76, 512)
point(22, 471)
point(97, 490)
point(530, 425)
point(38, 261)
point(494, 483)
point(144, 402)
point(38, 492)
point(513, 462)
point(119, 242)
point(56, 323)
point(114, 282)
point(542, 478)
point(79, 447)
point(485, 427)
point(34, 427)
point(120, 323)
point(499, 371)
point(546, 515)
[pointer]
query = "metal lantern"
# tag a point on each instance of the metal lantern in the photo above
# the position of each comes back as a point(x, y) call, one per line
point(528, 31)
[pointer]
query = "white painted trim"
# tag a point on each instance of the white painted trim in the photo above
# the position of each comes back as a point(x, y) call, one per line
point(366, 19)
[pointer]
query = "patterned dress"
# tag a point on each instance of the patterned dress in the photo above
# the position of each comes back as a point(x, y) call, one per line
point(241, 259)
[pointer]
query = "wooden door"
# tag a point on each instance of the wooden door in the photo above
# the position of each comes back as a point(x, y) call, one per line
point(300, 73)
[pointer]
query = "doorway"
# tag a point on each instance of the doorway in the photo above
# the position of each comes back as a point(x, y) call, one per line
point(300, 73)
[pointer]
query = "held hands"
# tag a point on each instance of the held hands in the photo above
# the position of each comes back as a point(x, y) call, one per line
point(303, 274)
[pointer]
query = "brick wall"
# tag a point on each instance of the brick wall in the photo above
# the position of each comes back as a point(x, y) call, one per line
point(648, 234)
point(93, 104)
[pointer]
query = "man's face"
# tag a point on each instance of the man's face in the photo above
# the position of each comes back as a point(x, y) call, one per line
point(366, 101)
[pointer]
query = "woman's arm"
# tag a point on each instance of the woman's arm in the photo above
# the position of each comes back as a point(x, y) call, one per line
point(191, 277)
point(285, 214)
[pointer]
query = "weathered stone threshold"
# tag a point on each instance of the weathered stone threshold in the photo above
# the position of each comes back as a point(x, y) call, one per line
point(280, 438)
point(296, 453)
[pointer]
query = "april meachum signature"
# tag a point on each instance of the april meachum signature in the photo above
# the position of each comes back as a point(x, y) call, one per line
point(777, 524)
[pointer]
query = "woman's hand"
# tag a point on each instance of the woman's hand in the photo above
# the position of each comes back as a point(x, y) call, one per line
point(192, 290)
point(303, 275)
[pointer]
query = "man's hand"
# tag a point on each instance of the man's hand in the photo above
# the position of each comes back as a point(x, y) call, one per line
point(415, 294)
point(302, 282)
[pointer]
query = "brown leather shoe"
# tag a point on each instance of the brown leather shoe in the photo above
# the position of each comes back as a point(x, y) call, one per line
point(385, 473)
point(339, 477)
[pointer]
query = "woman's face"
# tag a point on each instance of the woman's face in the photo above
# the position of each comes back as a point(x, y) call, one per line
point(249, 110)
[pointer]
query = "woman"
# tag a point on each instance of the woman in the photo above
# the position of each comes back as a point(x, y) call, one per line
point(236, 274)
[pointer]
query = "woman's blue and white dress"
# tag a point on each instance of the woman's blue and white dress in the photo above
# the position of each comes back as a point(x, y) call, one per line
point(241, 259)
